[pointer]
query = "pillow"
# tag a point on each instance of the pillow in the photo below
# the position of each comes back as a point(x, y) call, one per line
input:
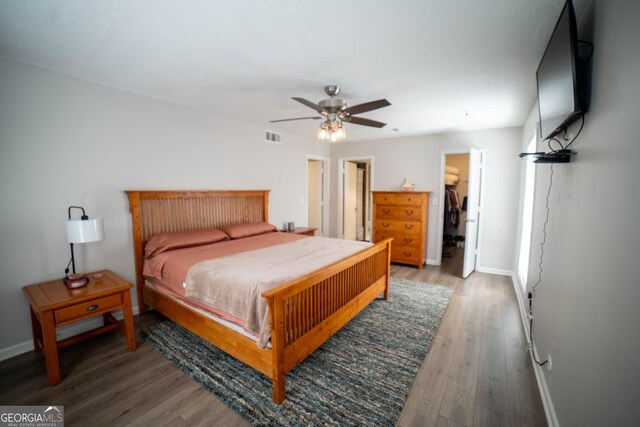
point(238, 231)
point(176, 240)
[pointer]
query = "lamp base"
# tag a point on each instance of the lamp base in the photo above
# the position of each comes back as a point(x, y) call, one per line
point(74, 281)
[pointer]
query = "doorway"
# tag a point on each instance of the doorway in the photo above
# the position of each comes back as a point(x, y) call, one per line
point(318, 194)
point(461, 201)
point(355, 198)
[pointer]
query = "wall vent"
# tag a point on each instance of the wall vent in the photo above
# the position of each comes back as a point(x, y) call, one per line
point(273, 137)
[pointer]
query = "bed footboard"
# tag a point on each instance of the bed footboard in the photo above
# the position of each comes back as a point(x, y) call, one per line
point(307, 311)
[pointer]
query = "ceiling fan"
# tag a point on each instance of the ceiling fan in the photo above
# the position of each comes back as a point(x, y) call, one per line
point(335, 111)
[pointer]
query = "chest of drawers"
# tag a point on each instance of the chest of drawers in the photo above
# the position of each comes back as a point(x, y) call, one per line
point(402, 216)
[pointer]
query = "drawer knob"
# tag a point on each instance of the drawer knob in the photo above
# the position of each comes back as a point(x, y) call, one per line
point(408, 212)
point(386, 211)
point(408, 226)
point(92, 307)
point(385, 224)
point(408, 240)
point(407, 254)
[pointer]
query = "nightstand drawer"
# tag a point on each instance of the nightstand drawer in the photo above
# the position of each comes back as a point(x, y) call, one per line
point(88, 309)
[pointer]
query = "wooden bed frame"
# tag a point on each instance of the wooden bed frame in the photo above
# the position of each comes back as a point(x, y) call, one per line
point(304, 313)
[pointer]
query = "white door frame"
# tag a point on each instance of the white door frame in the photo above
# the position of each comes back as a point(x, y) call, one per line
point(340, 215)
point(483, 174)
point(326, 177)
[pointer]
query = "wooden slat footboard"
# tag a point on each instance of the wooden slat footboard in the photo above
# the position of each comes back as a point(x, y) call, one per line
point(307, 311)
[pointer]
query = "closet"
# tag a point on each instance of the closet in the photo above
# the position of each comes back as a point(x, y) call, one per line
point(456, 180)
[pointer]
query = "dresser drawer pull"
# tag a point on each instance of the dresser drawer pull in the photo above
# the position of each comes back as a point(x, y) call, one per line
point(408, 240)
point(408, 226)
point(408, 212)
point(408, 254)
point(385, 224)
point(386, 211)
point(92, 307)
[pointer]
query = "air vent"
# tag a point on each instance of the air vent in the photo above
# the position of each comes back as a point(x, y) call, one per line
point(273, 137)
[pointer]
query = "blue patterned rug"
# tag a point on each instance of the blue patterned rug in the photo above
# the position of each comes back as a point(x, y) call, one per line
point(361, 376)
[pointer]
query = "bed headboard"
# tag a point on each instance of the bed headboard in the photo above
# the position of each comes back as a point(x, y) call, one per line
point(154, 212)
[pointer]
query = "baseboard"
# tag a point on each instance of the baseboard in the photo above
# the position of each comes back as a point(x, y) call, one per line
point(545, 395)
point(432, 262)
point(61, 333)
point(498, 271)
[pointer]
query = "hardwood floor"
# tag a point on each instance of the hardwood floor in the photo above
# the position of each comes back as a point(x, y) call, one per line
point(477, 373)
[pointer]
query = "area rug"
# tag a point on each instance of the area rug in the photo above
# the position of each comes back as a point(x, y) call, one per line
point(360, 376)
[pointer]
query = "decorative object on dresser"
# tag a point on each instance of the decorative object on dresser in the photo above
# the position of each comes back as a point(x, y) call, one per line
point(408, 185)
point(303, 312)
point(83, 230)
point(402, 216)
point(53, 304)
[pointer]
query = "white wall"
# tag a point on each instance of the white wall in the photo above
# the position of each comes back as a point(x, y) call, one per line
point(418, 158)
point(68, 142)
point(586, 308)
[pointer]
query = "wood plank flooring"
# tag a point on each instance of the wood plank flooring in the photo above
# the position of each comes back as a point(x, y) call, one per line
point(477, 373)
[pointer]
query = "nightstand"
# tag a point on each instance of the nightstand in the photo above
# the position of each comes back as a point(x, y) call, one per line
point(53, 304)
point(304, 231)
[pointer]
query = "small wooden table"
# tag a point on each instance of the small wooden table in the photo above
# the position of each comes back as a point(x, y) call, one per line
point(303, 230)
point(53, 305)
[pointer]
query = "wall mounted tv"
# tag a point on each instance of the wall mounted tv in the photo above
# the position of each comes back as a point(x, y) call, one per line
point(559, 77)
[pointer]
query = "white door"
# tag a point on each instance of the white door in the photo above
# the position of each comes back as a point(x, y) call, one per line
point(473, 212)
point(350, 199)
point(315, 192)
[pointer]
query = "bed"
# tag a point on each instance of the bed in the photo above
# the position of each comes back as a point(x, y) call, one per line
point(303, 312)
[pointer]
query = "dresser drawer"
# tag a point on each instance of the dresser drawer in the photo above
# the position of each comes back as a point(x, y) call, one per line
point(385, 198)
point(88, 309)
point(407, 213)
point(404, 254)
point(407, 227)
point(399, 239)
point(410, 199)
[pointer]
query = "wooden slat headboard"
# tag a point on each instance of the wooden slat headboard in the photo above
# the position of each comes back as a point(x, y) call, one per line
point(155, 212)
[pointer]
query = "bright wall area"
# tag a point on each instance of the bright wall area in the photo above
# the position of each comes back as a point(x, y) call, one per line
point(69, 142)
point(586, 308)
point(419, 157)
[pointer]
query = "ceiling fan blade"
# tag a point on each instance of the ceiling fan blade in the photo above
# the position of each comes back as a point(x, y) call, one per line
point(309, 104)
point(368, 106)
point(365, 122)
point(297, 118)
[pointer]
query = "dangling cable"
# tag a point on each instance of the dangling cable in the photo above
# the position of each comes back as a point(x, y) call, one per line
point(540, 269)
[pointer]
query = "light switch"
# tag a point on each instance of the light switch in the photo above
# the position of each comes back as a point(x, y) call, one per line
point(434, 201)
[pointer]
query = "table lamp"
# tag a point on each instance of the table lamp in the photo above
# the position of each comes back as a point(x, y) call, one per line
point(83, 230)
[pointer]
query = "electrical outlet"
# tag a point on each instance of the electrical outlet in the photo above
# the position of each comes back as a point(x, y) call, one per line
point(550, 363)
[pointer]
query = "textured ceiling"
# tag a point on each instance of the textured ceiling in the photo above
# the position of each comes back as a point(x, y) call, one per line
point(443, 64)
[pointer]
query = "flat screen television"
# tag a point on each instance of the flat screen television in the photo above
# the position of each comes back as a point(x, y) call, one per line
point(559, 77)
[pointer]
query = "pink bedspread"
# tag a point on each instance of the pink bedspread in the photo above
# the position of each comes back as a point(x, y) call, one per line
point(170, 269)
point(228, 278)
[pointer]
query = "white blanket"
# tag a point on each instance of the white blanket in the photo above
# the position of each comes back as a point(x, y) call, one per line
point(234, 284)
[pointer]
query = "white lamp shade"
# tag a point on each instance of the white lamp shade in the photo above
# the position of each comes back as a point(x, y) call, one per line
point(84, 231)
